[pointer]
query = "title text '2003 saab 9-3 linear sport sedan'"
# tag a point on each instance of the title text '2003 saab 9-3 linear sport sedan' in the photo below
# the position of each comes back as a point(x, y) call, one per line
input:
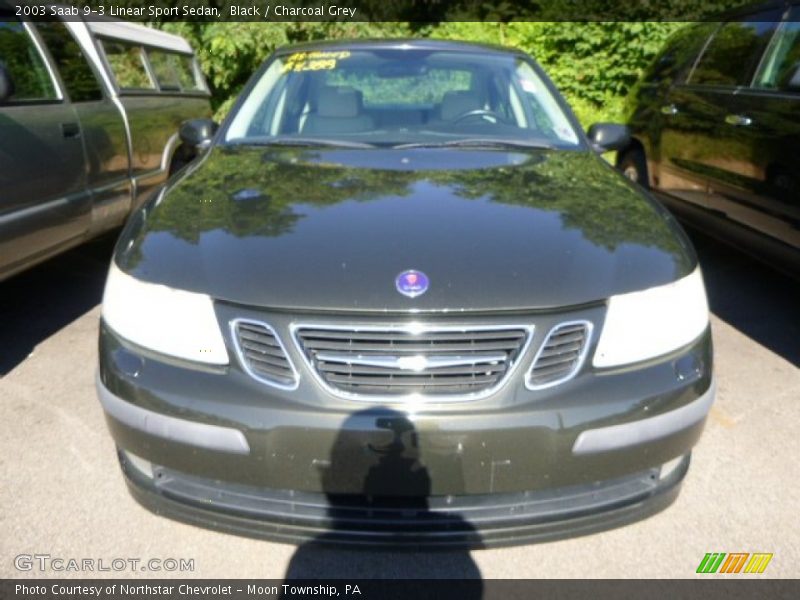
point(402, 299)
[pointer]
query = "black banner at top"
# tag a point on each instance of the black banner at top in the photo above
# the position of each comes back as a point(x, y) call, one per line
point(415, 11)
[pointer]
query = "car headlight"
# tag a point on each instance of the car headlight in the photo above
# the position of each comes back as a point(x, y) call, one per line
point(169, 321)
point(653, 322)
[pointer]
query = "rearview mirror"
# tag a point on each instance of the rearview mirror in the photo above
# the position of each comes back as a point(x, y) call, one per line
point(6, 85)
point(402, 70)
point(609, 136)
point(197, 133)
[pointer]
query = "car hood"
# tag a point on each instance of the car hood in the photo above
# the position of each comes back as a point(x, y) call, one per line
point(310, 229)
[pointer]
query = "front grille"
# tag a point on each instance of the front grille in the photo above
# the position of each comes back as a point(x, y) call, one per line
point(263, 355)
point(561, 354)
point(399, 361)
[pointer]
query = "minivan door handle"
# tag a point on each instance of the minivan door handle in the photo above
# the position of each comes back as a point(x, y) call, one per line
point(738, 120)
point(669, 109)
point(70, 130)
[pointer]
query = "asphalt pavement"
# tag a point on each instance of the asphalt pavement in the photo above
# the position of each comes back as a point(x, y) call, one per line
point(62, 493)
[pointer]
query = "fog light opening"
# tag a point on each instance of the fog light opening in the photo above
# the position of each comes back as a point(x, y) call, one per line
point(669, 467)
point(145, 467)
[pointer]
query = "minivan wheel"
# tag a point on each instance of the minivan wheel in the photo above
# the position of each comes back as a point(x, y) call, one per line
point(634, 166)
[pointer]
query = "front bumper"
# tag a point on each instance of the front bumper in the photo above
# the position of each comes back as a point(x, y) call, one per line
point(216, 448)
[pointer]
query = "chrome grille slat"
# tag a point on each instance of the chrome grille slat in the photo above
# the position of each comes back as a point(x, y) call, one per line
point(411, 381)
point(561, 359)
point(572, 337)
point(558, 347)
point(365, 370)
point(410, 347)
point(392, 334)
point(265, 360)
point(561, 355)
point(261, 348)
point(262, 354)
point(449, 363)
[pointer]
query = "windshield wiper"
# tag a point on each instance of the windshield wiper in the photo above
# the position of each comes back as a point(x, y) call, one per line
point(302, 142)
point(477, 143)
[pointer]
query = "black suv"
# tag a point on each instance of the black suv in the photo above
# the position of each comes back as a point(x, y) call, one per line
point(716, 130)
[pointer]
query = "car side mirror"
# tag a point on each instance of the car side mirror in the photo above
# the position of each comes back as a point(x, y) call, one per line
point(197, 133)
point(6, 84)
point(609, 136)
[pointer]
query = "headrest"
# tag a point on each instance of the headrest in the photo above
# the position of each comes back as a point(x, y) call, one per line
point(458, 103)
point(341, 102)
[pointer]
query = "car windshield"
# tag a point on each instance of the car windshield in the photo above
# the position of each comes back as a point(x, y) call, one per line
point(401, 97)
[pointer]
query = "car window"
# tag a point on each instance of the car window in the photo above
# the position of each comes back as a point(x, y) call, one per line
point(780, 69)
point(24, 63)
point(174, 71)
point(734, 51)
point(403, 96)
point(128, 65)
point(76, 73)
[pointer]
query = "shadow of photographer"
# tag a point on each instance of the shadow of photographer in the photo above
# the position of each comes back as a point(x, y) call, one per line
point(379, 514)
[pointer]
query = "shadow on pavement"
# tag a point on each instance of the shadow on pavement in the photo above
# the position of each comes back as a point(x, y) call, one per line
point(39, 302)
point(371, 487)
point(759, 301)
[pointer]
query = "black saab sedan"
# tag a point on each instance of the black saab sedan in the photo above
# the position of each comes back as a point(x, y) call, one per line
point(402, 299)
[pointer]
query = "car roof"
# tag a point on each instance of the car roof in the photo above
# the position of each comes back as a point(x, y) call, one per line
point(398, 44)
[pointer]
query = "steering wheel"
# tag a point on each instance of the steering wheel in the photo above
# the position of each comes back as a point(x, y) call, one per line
point(478, 112)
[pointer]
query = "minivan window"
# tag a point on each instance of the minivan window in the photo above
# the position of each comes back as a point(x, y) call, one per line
point(174, 71)
point(128, 66)
point(780, 69)
point(77, 75)
point(734, 51)
point(24, 64)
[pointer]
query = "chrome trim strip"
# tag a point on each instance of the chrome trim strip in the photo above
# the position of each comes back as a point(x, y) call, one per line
point(422, 362)
point(412, 328)
point(246, 367)
point(203, 435)
point(147, 175)
point(575, 370)
point(35, 209)
point(617, 437)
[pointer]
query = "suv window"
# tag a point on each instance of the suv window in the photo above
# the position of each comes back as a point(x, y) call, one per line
point(77, 74)
point(174, 71)
point(780, 69)
point(733, 52)
point(128, 65)
point(24, 64)
point(680, 52)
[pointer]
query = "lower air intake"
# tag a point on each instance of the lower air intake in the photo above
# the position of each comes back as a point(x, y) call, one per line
point(561, 355)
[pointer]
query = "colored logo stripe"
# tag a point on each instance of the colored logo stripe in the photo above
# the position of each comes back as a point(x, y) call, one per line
point(758, 563)
point(711, 562)
point(735, 561)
